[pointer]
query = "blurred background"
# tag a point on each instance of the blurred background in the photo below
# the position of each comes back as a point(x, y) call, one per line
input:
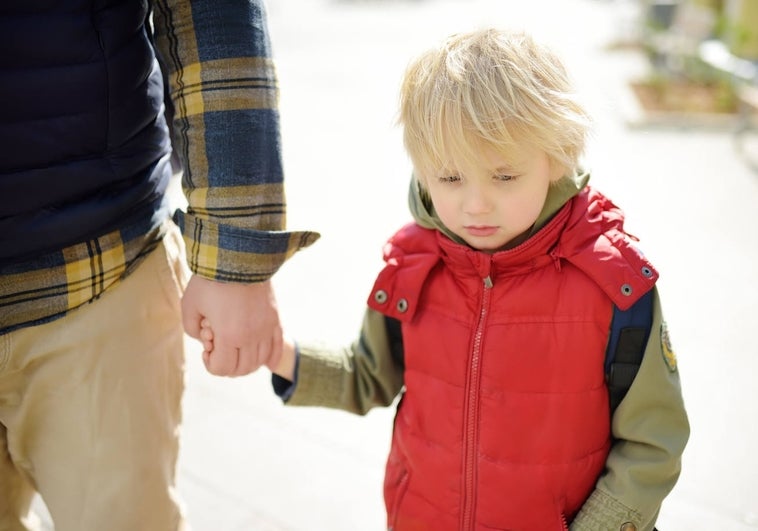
point(672, 88)
point(683, 170)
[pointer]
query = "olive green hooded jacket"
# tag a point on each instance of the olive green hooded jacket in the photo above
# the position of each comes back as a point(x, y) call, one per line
point(650, 426)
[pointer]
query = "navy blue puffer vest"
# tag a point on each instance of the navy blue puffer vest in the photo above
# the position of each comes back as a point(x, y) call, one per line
point(84, 145)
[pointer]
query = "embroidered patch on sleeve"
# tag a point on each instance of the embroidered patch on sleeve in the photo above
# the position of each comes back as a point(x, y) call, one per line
point(668, 352)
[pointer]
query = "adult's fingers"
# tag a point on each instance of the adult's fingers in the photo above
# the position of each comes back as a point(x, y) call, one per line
point(191, 320)
point(223, 360)
point(191, 314)
point(277, 348)
point(206, 336)
point(248, 361)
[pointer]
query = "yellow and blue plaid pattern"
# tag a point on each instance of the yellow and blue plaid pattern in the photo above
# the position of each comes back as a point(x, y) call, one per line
point(47, 287)
point(226, 130)
point(223, 86)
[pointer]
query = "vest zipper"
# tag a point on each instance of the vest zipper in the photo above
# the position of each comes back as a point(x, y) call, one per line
point(471, 414)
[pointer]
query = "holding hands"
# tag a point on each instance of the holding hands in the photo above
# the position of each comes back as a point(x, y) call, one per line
point(284, 368)
point(246, 331)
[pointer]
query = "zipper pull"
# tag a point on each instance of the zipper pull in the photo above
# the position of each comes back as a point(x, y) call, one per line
point(485, 270)
point(556, 259)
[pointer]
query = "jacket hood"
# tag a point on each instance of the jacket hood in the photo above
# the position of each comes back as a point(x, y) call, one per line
point(578, 225)
point(559, 194)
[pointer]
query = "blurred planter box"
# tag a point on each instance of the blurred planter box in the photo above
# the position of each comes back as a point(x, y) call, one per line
point(679, 103)
point(687, 87)
point(682, 96)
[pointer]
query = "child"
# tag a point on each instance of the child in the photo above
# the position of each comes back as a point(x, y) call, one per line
point(491, 317)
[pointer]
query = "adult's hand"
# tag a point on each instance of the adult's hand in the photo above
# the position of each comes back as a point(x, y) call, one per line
point(247, 332)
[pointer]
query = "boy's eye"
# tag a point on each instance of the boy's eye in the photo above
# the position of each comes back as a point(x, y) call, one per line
point(449, 179)
point(504, 178)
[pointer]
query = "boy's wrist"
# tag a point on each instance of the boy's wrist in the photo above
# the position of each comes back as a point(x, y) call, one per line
point(286, 366)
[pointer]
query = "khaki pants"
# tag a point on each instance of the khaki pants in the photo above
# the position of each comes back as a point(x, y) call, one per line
point(90, 407)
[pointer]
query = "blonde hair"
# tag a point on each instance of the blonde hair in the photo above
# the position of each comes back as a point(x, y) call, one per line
point(489, 89)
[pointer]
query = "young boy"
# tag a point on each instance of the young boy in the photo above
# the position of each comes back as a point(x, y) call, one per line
point(492, 315)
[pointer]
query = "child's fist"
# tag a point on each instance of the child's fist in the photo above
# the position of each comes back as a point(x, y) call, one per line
point(206, 337)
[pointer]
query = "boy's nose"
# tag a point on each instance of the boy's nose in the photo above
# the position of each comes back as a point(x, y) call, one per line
point(476, 200)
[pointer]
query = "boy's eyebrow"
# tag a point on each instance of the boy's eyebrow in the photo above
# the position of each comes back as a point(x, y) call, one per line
point(500, 169)
point(504, 169)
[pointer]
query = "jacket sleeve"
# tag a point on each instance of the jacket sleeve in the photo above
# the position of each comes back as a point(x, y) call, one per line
point(223, 93)
point(650, 430)
point(366, 374)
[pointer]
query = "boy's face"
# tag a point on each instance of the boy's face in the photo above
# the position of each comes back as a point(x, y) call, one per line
point(493, 205)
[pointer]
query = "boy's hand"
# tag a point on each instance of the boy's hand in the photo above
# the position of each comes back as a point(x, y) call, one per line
point(285, 367)
point(246, 330)
point(206, 338)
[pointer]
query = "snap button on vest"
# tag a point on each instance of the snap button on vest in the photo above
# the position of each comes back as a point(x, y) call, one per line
point(647, 272)
point(380, 296)
point(628, 526)
point(626, 289)
point(402, 305)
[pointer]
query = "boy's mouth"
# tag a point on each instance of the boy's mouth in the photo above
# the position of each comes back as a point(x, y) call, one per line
point(480, 230)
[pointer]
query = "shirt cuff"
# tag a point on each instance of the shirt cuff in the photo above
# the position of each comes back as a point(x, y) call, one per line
point(602, 512)
point(234, 254)
point(282, 386)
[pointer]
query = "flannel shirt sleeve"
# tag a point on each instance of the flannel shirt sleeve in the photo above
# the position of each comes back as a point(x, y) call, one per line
point(223, 89)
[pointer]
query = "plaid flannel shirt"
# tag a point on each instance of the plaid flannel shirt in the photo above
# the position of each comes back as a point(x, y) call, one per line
point(222, 83)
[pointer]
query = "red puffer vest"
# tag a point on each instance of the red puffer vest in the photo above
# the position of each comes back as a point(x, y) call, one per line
point(504, 422)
